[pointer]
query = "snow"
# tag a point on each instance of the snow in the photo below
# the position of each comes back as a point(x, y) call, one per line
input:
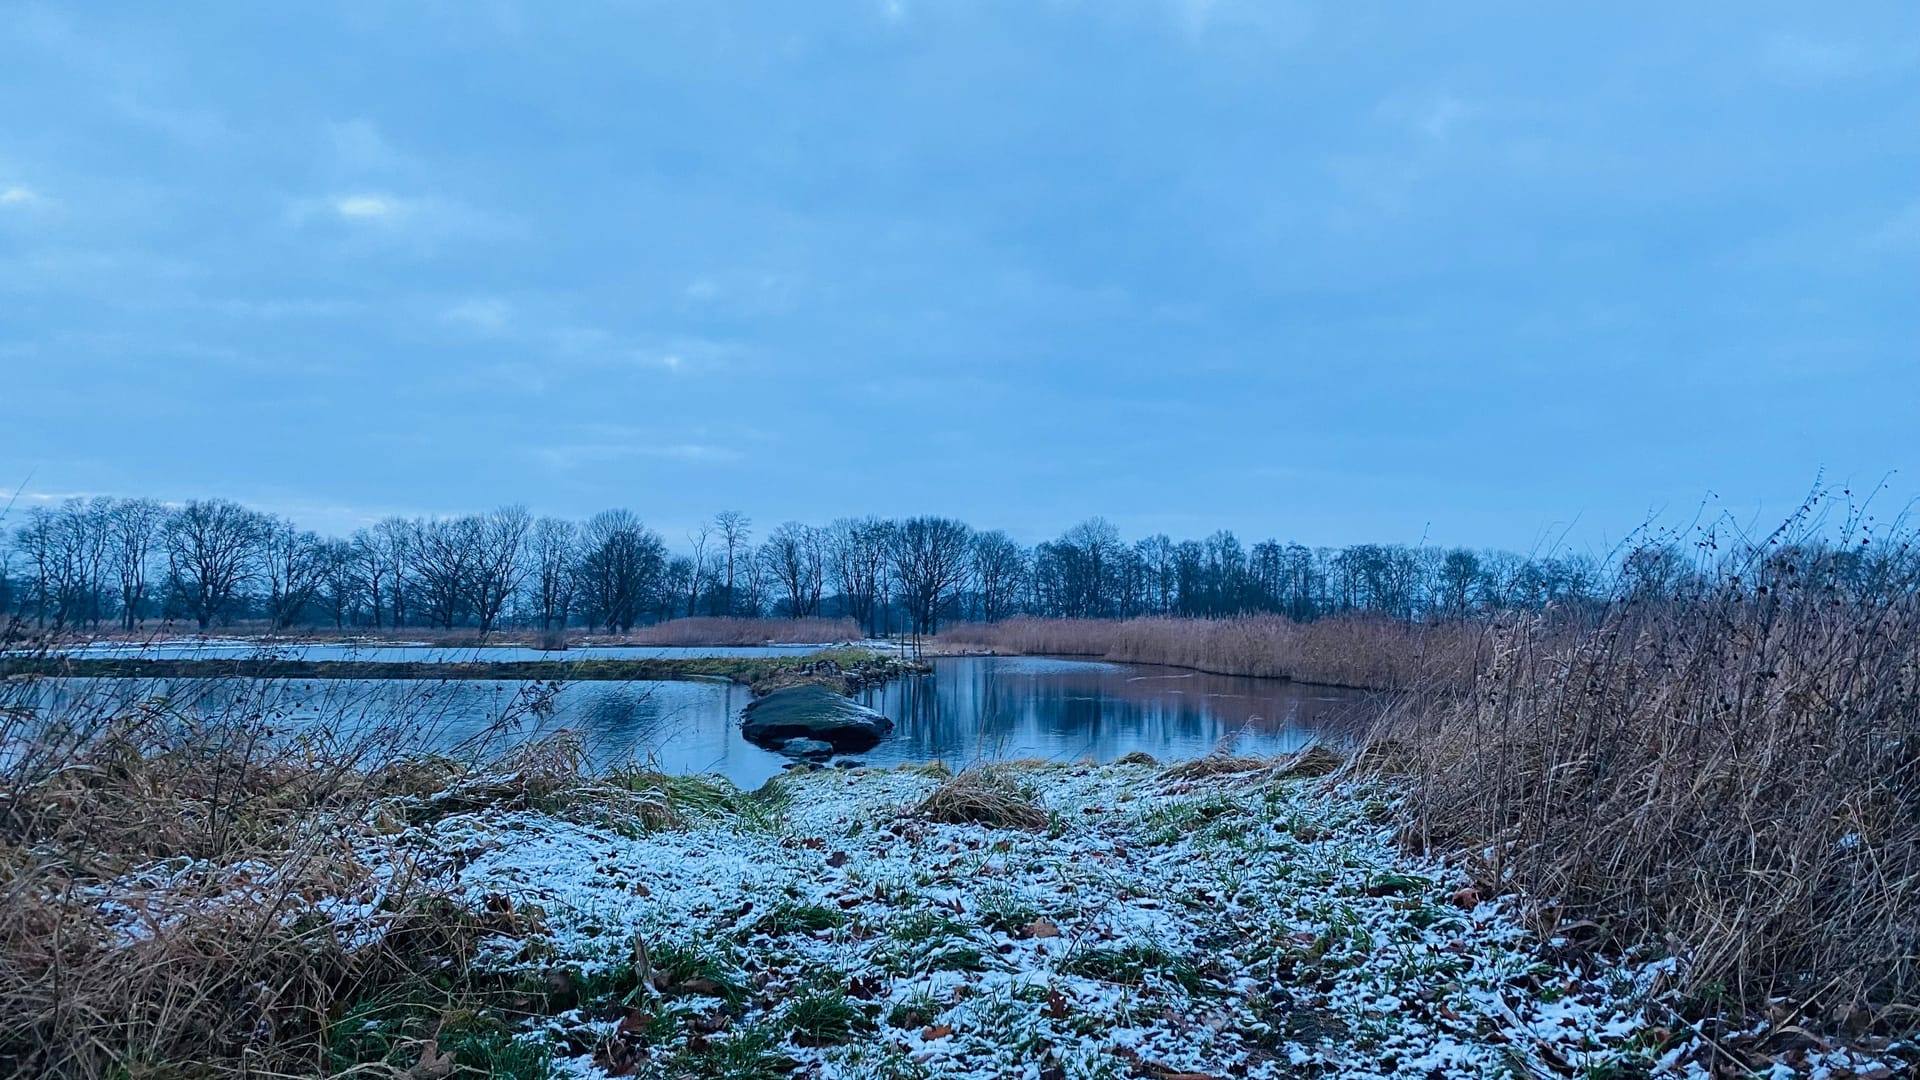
point(1236, 925)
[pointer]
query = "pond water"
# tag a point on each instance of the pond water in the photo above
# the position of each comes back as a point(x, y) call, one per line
point(388, 653)
point(969, 709)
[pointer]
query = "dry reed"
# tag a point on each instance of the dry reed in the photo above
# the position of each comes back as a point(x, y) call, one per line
point(1733, 776)
point(1374, 652)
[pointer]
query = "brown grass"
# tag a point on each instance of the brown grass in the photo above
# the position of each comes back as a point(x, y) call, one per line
point(1373, 652)
point(172, 892)
point(1734, 777)
point(983, 795)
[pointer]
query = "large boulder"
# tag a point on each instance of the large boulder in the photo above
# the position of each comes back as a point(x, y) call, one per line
point(813, 712)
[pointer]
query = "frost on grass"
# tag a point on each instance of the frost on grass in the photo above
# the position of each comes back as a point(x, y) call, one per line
point(1195, 923)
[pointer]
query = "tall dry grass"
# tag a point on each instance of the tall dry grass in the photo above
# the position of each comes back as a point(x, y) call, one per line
point(1373, 652)
point(1732, 777)
point(192, 895)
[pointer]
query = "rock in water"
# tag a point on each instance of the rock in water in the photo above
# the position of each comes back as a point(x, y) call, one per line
point(813, 712)
point(806, 748)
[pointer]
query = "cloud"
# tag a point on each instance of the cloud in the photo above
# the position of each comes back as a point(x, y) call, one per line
point(1899, 233)
point(486, 316)
point(574, 455)
point(1433, 116)
point(358, 147)
point(18, 196)
point(367, 207)
point(1804, 60)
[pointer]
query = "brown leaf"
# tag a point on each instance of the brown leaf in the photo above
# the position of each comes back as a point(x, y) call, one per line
point(636, 1022)
point(936, 1031)
point(698, 985)
point(1467, 898)
point(1040, 928)
point(1056, 1006)
point(839, 859)
point(432, 1064)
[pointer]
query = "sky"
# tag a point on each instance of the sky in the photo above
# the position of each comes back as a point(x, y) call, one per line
point(1486, 274)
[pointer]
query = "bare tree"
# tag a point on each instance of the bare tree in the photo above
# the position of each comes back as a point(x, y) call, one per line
point(622, 564)
point(930, 560)
point(211, 547)
point(698, 540)
point(793, 556)
point(444, 556)
point(735, 530)
point(340, 577)
point(999, 567)
point(135, 525)
point(554, 554)
point(859, 551)
point(293, 561)
point(499, 565)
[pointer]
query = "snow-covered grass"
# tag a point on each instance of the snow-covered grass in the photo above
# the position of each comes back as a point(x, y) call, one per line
point(1236, 924)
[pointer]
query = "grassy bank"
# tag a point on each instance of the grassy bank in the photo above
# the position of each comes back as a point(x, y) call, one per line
point(748, 670)
point(1370, 652)
point(1233, 917)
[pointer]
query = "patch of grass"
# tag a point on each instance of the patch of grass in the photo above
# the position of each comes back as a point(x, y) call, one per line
point(983, 796)
point(750, 1053)
point(1003, 910)
point(825, 1018)
point(799, 917)
point(1131, 964)
point(396, 1030)
point(707, 970)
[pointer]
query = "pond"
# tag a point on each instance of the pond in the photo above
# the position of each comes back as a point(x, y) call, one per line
point(386, 653)
point(969, 709)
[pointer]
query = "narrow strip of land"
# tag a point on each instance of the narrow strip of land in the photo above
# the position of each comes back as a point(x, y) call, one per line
point(746, 670)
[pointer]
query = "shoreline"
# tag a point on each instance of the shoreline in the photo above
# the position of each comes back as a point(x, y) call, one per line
point(865, 666)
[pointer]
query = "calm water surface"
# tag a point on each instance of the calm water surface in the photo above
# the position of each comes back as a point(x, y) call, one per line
point(969, 709)
point(218, 649)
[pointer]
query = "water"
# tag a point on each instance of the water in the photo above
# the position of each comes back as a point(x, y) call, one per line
point(235, 649)
point(969, 709)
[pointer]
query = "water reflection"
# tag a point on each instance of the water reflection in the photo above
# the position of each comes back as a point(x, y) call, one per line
point(969, 709)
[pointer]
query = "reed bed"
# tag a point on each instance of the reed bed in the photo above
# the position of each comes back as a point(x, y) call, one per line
point(1732, 777)
point(1372, 652)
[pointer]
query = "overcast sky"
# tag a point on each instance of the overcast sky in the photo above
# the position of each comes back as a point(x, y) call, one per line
point(1329, 272)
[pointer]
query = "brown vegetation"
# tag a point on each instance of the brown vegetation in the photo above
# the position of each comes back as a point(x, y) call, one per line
point(194, 896)
point(983, 795)
point(1370, 651)
point(1734, 778)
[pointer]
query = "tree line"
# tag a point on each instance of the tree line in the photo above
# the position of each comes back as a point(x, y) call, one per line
point(89, 563)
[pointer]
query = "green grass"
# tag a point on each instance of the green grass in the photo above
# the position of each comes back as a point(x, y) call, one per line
point(799, 917)
point(392, 1031)
point(826, 1018)
point(1131, 965)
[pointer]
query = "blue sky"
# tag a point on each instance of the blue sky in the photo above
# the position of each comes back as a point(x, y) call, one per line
point(1478, 272)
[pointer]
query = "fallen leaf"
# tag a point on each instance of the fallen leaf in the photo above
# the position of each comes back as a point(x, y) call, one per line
point(936, 1031)
point(432, 1064)
point(839, 859)
point(1056, 1006)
